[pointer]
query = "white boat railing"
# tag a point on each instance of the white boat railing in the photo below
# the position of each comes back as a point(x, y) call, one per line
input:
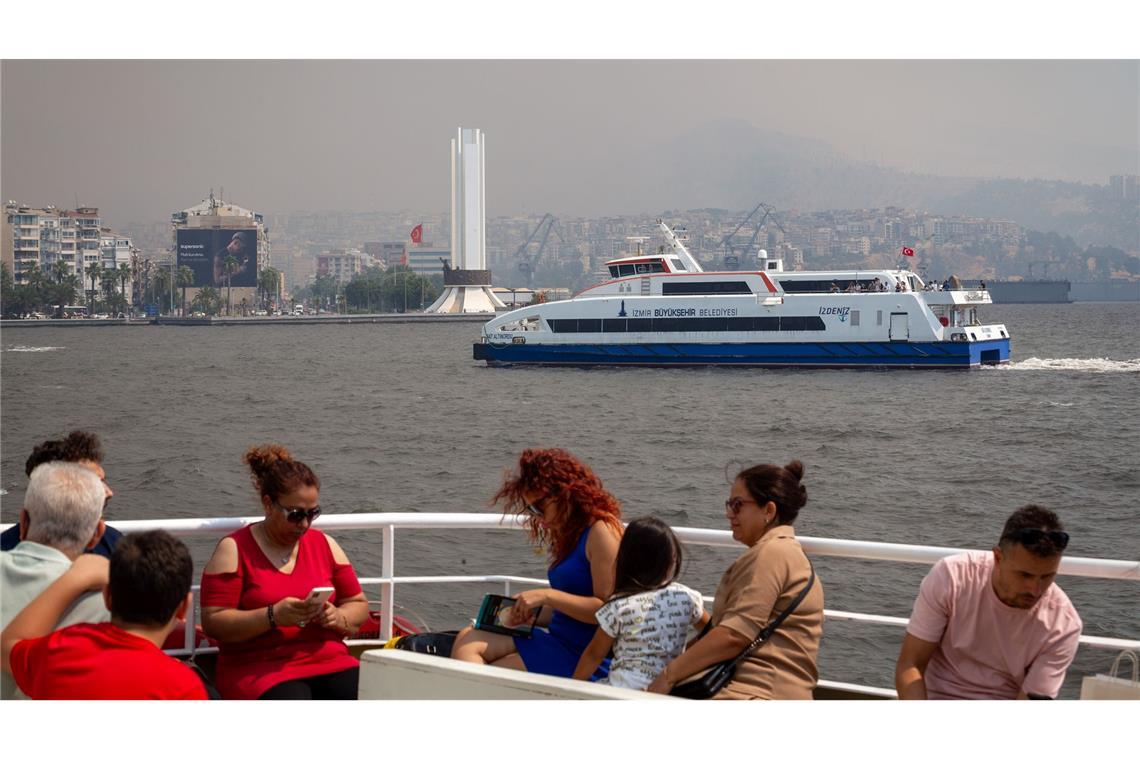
point(388, 522)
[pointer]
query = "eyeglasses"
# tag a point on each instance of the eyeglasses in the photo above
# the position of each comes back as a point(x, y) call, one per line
point(535, 510)
point(296, 514)
point(1033, 536)
point(734, 504)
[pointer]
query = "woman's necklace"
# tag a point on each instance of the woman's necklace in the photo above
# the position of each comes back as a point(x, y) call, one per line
point(284, 559)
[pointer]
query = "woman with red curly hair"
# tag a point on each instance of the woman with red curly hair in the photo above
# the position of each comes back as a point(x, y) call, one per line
point(569, 511)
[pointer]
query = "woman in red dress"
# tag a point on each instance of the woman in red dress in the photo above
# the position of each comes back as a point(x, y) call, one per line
point(273, 644)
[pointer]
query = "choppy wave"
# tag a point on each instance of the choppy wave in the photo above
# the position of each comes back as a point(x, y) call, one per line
point(34, 349)
point(1078, 365)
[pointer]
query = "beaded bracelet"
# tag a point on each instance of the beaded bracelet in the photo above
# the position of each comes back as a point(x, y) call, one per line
point(269, 614)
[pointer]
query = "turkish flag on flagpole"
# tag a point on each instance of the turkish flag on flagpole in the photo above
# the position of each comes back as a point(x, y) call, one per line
point(418, 234)
point(908, 251)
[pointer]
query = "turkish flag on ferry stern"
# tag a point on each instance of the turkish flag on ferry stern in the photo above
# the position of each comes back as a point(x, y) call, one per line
point(908, 251)
point(418, 234)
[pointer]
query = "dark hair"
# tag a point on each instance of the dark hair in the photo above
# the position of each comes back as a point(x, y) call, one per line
point(1034, 518)
point(780, 485)
point(151, 574)
point(567, 481)
point(648, 558)
point(275, 472)
point(78, 446)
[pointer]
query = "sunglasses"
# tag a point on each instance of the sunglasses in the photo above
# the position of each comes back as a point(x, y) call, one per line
point(535, 510)
point(296, 514)
point(1033, 536)
point(734, 504)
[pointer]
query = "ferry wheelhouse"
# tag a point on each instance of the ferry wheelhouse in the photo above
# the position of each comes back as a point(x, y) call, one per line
point(664, 310)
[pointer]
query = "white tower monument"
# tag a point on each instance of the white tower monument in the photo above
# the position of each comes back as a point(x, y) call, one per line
point(467, 281)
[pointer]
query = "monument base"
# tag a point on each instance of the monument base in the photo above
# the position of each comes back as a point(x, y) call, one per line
point(466, 299)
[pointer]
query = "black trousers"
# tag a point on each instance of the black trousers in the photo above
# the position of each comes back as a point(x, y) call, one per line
point(340, 685)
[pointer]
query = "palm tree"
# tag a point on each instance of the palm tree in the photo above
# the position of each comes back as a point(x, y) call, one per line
point(229, 266)
point(94, 272)
point(185, 279)
point(207, 300)
point(268, 284)
point(124, 273)
point(162, 287)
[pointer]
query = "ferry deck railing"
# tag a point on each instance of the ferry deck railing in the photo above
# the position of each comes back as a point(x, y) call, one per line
point(389, 522)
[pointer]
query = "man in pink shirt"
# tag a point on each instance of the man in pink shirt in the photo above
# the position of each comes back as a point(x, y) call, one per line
point(993, 626)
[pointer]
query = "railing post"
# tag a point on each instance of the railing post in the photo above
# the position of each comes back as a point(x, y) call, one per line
point(188, 637)
point(506, 588)
point(387, 590)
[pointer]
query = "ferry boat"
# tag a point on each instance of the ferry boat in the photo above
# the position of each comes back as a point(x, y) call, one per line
point(664, 310)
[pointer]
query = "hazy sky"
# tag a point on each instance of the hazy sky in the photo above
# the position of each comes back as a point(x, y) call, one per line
point(141, 139)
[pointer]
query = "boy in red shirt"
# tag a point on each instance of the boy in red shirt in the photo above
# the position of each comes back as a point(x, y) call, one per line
point(146, 586)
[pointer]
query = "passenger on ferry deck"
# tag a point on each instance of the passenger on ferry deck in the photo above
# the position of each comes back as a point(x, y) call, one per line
point(756, 588)
point(62, 516)
point(146, 586)
point(273, 644)
point(567, 509)
point(647, 618)
point(81, 448)
point(993, 625)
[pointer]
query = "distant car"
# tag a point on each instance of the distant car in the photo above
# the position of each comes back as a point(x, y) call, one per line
point(198, 314)
point(261, 313)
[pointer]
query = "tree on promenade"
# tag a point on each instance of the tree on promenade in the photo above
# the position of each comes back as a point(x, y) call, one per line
point(208, 301)
point(162, 289)
point(324, 289)
point(124, 275)
point(229, 266)
point(61, 292)
point(185, 280)
point(93, 272)
point(268, 286)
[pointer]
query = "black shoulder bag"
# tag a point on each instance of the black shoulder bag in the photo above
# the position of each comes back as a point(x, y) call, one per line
point(705, 684)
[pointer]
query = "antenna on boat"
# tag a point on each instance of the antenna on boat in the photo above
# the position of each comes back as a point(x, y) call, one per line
point(678, 246)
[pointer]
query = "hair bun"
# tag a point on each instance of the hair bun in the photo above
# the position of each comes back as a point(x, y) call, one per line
point(795, 468)
point(261, 458)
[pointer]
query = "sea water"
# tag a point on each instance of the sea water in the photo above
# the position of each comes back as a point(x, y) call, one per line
point(398, 417)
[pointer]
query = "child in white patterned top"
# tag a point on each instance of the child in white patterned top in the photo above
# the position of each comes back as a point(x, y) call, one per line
point(648, 616)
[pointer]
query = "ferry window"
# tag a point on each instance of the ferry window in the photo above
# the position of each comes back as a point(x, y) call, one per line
point(766, 324)
point(563, 325)
point(854, 317)
point(802, 323)
point(879, 318)
point(613, 325)
point(589, 325)
point(701, 288)
point(739, 323)
point(810, 286)
point(678, 265)
point(626, 270)
point(639, 325)
point(614, 272)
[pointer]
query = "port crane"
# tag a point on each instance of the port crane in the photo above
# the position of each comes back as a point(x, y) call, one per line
point(528, 261)
point(731, 258)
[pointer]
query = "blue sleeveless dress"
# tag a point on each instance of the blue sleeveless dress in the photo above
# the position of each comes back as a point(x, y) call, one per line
point(557, 649)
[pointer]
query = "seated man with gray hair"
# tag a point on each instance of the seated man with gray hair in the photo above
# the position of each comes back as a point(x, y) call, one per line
point(62, 517)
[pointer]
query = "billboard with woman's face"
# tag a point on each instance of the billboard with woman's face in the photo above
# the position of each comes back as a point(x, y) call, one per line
point(210, 253)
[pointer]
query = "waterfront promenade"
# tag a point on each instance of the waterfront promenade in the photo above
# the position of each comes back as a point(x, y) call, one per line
point(322, 319)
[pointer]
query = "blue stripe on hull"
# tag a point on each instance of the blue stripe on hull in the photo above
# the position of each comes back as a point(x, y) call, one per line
point(936, 355)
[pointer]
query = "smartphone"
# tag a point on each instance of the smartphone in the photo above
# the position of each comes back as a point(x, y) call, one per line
point(319, 595)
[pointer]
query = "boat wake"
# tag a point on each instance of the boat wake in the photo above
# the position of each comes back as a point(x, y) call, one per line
point(34, 349)
point(1077, 365)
